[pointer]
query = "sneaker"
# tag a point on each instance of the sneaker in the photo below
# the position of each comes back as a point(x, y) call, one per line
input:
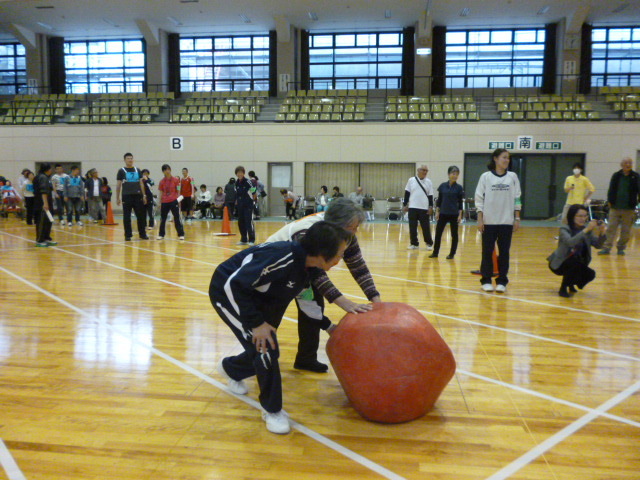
point(42, 244)
point(241, 243)
point(429, 247)
point(412, 247)
point(63, 223)
point(501, 288)
point(433, 255)
point(188, 222)
point(51, 243)
point(487, 287)
point(314, 366)
point(251, 243)
point(621, 252)
point(149, 228)
point(80, 224)
point(277, 422)
point(604, 251)
point(180, 238)
point(450, 257)
point(159, 238)
point(127, 239)
point(235, 386)
point(70, 224)
point(95, 221)
point(144, 237)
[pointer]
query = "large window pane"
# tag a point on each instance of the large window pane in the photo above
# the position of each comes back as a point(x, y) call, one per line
point(13, 77)
point(616, 56)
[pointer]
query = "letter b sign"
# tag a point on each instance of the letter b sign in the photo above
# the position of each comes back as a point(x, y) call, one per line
point(176, 143)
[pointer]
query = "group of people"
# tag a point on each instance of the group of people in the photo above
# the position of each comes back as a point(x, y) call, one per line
point(322, 200)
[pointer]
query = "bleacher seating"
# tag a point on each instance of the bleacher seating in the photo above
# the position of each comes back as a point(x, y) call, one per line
point(434, 108)
point(123, 108)
point(37, 109)
point(221, 107)
point(323, 106)
point(545, 108)
point(625, 101)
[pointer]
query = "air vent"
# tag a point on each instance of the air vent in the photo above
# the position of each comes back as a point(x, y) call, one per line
point(45, 7)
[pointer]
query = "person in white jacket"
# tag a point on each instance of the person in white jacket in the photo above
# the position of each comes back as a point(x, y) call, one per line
point(498, 205)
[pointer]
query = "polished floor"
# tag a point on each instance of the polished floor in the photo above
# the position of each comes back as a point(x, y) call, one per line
point(108, 353)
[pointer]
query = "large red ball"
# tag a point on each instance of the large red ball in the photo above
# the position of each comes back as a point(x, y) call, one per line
point(392, 364)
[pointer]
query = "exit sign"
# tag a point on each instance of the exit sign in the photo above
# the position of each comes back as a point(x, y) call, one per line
point(506, 145)
point(548, 145)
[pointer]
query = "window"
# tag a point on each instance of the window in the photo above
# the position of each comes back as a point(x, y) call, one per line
point(224, 63)
point(495, 58)
point(615, 56)
point(355, 60)
point(110, 66)
point(13, 68)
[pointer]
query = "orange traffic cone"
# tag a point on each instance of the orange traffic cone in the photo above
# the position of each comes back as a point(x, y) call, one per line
point(109, 220)
point(496, 271)
point(226, 224)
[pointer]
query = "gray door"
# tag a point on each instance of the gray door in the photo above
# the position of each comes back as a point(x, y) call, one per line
point(280, 176)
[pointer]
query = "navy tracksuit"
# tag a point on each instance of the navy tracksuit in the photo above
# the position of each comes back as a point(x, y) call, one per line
point(250, 288)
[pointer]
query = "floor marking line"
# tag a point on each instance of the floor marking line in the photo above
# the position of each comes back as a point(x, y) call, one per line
point(9, 464)
point(563, 434)
point(379, 469)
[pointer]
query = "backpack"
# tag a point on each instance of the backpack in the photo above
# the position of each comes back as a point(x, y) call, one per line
point(367, 202)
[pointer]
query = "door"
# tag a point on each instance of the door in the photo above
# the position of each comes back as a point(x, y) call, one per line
point(280, 176)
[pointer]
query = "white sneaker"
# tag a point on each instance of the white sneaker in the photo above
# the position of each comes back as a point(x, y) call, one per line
point(80, 224)
point(180, 238)
point(241, 243)
point(63, 223)
point(277, 422)
point(149, 228)
point(70, 224)
point(412, 247)
point(501, 288)
point(429, 247)
point(487, 287)
point(159, 237)
point(235, 386)
point(251, 243)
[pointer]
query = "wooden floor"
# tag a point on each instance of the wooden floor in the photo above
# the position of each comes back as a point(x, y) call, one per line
point(108, 353)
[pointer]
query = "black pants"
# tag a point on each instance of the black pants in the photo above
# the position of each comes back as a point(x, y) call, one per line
point(149, 211)
point(174, 208)
point(61, 206)
point(202, 206)
point(43, 225)
point(575, 272)
point(231, 208)
point(264, 366)
point(28, 203)
point(245, 223)
point(74, 207)
point(291, 210)
point(418, 215)
point(309, 314)
point(452, 220)
point(502, 235)
point(134, 203)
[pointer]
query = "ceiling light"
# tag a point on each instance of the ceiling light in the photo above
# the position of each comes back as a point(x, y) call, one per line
point(313, 16)
point(244, 18)
point(110, 22)
point(175, 21)
point(465, 11)
point(620, 8)
point(45, 7)
point(189, 1)
point(423, 51)
point(544, 10)
point(387, 14)
point(45, 25)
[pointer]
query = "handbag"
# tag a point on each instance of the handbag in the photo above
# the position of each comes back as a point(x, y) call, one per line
point(263, 193)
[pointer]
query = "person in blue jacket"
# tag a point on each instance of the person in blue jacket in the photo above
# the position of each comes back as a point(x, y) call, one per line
point(251, 291)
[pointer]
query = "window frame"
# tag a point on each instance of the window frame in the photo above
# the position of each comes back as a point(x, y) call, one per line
point(624, 78)
point(16, 73)
point(209, 83)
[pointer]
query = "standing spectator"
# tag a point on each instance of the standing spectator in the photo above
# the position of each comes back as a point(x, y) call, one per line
point(28, 195)
point(290, 203)
point(418, 201)
point(130, 192)
point(498, 204)
point(57, 181)
point(448, 210)
point(22, 180)
point(219, 201)
point(623, 196)
point(260, 194)
point(322, 200)
point(573, 255)
point(251, 291)
point(187, 190)
point(245, 198)
point(74, 195)
point(169, 188)
point(42, 203)
point(578, 188)
point(347, 215)
point(148, 183)
point(93, 187)
point(357, 197)
point(203, 200)
point(105, 192)
point(336, 192)
point(230, 197)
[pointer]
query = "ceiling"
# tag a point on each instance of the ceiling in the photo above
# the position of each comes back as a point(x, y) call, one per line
point(85, 19)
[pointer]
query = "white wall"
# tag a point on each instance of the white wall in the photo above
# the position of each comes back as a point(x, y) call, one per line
point(212, 152)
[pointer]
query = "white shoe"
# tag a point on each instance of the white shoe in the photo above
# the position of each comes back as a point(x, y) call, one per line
point(180, 238)
point(429, 247)
point(241, 243)
point(277, 422)
point(235, 386)
point(149, 228)
point(80, 224)
point(412, 247)
point(501, 288)
point(251, 243)
point(70, 224)
point(63, 223)
point(159, 238)
point(487, 287)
